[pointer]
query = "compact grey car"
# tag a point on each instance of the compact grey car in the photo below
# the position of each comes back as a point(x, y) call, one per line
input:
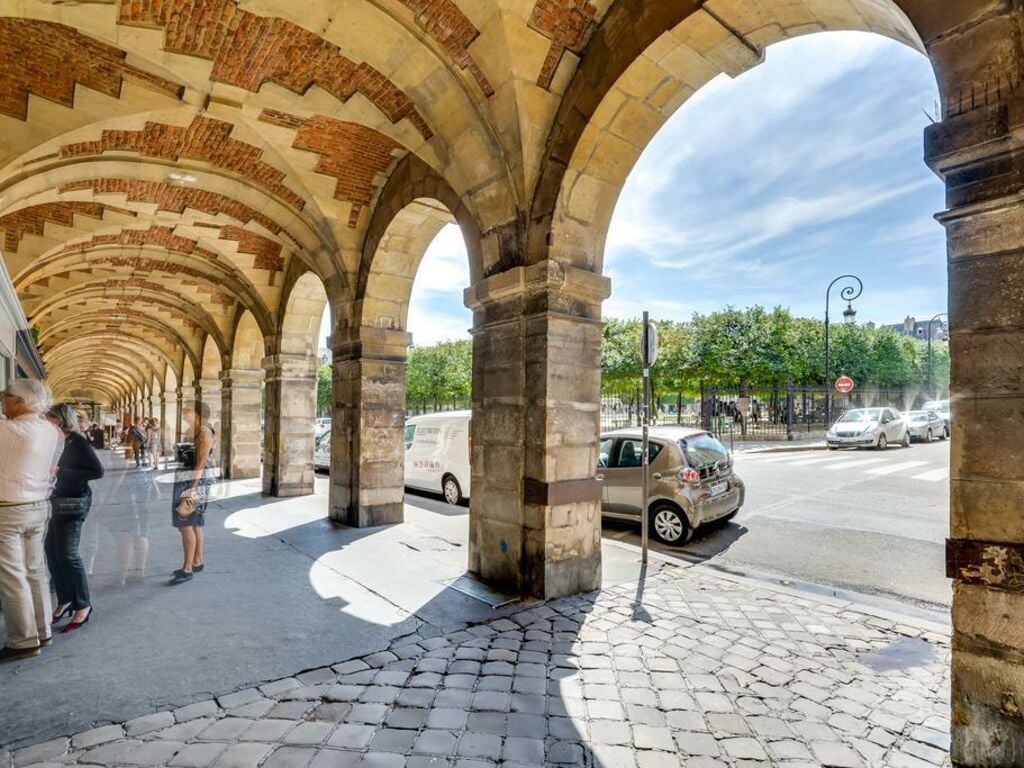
point(691, 480)
point(925, 425)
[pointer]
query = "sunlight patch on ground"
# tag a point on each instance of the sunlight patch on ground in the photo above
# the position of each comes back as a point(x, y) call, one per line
point(330, 583)
point(274, 518)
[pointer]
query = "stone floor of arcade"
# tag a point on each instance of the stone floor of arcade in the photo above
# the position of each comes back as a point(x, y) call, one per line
point(309, 644)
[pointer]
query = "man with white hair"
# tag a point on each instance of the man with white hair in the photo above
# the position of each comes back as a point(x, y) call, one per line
point(30, 447)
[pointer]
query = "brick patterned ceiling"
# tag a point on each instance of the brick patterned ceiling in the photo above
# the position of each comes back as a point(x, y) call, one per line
point(174, 158)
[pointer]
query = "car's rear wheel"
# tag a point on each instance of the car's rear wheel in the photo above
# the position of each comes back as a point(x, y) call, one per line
point(945, 433)
point(452, 491)
point(929, 437)
point(669, 525)
point(906, 439)
point(883, 442)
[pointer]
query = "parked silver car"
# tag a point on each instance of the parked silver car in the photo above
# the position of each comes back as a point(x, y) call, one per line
point(926, 426)
point(868, 428)
point(941, 407)
point(691, 480)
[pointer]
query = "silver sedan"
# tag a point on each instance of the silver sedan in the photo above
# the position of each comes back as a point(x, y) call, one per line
point(925, 425)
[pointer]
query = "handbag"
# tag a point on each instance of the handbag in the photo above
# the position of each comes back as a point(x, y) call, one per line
point(186, 506)
point(69, 507)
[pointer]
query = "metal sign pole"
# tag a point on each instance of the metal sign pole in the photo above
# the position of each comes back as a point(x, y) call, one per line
point(645, 518)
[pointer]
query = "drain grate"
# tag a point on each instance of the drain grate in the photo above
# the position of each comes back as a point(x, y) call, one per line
point(467, 585)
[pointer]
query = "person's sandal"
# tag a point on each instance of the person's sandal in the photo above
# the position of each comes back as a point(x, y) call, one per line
point(180, 577)
point(198, 568)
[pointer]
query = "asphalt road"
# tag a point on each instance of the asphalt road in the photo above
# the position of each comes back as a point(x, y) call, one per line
point(865, 522)
point(849, 523)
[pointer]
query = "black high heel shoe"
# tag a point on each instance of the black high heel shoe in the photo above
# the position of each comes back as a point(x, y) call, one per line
point(73, 625)
point(62, 615)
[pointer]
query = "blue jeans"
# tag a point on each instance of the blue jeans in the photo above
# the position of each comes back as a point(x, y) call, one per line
point(67, 571)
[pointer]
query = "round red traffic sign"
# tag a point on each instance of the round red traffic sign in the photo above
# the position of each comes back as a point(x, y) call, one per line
point(844, 384)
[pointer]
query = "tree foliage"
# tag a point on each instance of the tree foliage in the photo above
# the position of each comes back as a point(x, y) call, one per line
point(440, 373)
point(751, 347)
point(324, 388)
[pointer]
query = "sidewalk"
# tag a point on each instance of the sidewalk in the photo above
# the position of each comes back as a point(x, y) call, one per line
point(306, 644)
point(688, 669)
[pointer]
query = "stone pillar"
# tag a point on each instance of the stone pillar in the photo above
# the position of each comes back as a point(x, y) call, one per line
point(208, 392)
point(187, 397)
point(368, 426)
point(980, 154)
point(535, 519)
point(153, 405)
point(290, 424)
point(162, 415)
point(242, 408)
point(180, 399)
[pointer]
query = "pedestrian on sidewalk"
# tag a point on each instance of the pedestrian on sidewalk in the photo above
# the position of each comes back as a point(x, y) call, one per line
point(153, 443)
point(29, 449)
point(69, 505)
point(137, 441)
point(192, 486)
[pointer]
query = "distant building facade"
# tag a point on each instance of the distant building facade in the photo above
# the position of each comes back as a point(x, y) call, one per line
point(18, 355)
point(918, 329)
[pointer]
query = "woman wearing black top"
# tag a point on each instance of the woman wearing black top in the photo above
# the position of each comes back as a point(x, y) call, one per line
point(69, 504)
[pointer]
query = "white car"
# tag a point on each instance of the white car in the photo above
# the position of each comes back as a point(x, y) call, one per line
point(868, 428)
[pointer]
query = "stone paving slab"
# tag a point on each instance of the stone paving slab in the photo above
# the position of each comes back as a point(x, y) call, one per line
point(693, 669)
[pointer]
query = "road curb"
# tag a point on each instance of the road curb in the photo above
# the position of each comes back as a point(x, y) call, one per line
point(785, 449)
point(896, 620)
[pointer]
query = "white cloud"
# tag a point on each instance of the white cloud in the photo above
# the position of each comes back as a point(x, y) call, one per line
point(445, 265)
point(431, 326)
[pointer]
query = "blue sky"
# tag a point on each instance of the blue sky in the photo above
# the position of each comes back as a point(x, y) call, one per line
point(760, 190)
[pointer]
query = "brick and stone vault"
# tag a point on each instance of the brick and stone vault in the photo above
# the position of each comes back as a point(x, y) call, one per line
point(185, 185)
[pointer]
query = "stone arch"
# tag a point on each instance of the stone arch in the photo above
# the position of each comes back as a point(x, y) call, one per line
point(620, 98)
point(209, 389)
point(291, 388)
point(367, 478)
point(170, 417)
point(242, 401)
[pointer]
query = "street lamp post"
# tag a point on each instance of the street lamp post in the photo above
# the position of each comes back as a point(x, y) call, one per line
point(941, 314)
point(848, 294)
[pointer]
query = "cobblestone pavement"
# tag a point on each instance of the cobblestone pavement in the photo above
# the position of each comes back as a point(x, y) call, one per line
point(697, 670)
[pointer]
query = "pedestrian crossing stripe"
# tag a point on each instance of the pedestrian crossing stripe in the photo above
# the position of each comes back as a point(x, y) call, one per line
point(934, 475)
point(892, 469)
point(840, 462)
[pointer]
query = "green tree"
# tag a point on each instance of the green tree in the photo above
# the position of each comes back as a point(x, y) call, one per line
point(324, 390)
point(439, 373)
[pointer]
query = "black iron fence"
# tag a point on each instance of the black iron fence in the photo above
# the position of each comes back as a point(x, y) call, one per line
point(777, 413)
point(418, 407)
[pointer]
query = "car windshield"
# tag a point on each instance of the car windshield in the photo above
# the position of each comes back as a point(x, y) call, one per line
point(702, 451)
point(862, 414)
point(937, 405)
point(918, 415)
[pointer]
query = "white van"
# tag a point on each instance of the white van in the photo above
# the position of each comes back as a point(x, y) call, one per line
point(437, 454)
point(322, 451)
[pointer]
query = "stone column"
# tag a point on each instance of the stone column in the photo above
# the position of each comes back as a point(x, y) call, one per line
point(179, 401)
point(187, 397)
point(162, 415)
point(980, 154)
point(535, 519)
point(290, 425)
point(242, 408)
point(368, 426)
point(208, 392)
